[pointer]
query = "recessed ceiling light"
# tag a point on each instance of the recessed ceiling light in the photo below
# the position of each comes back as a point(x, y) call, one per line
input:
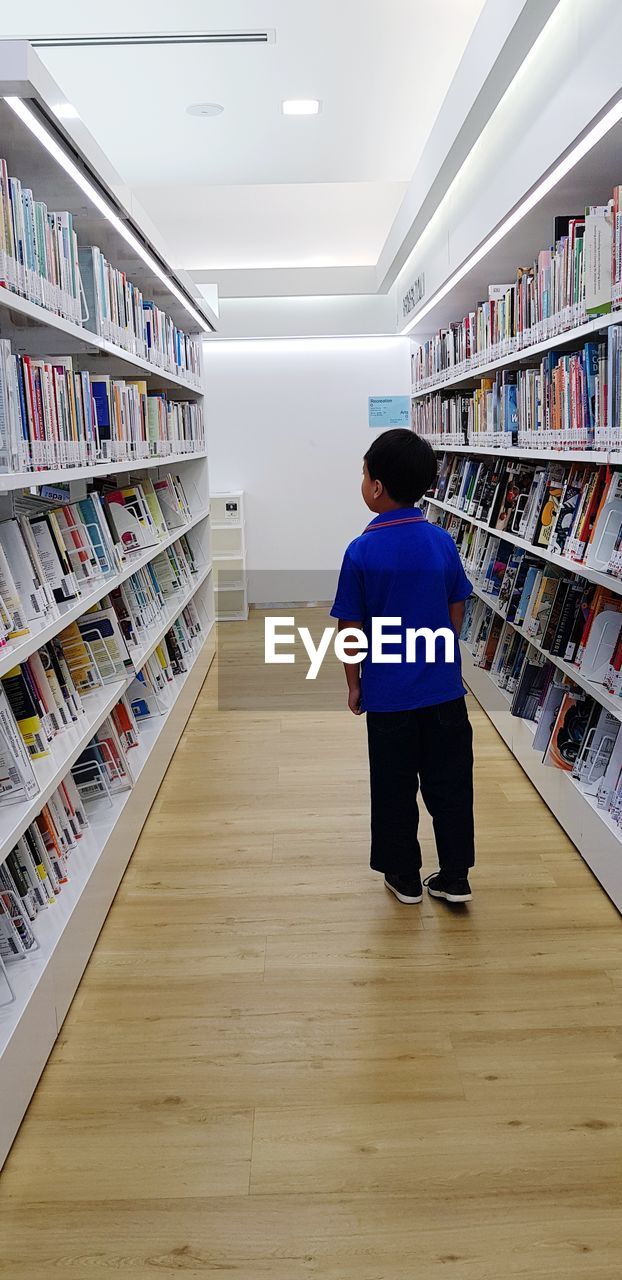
point(205, 109)
point(300, 106)
point(65, 111)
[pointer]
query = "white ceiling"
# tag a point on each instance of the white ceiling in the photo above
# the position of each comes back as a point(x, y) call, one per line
point(251, 188)
point(316, 224)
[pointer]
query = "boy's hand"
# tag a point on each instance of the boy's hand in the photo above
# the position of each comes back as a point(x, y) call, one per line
point(352, 669)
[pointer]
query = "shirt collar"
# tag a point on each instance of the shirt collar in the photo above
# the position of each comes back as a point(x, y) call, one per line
point(400, 513)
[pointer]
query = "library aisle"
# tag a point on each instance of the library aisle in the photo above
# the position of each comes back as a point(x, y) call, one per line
point(273, 1069)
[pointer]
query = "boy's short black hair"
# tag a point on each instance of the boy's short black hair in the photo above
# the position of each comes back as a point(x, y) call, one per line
point(404, 463)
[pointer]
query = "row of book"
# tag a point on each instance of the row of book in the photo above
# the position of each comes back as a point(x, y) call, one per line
point(570, 510)
point(49, 692)
point(570, 401)
point(38, 250)
point(565, 616)
point(571, 730)
point(35, 871)
point(141, 601)
point(579, 277)
point(54, 552)
point(118, 311)
point(53, 416)
point(40, 259)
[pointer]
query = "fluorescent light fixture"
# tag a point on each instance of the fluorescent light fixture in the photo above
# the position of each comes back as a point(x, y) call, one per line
point(300, 107)
point(64, 160)
point(559, 171)
point(66, 111)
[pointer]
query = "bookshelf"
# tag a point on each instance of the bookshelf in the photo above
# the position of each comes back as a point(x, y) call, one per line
point(597, 837)
point(567, 353)
point(229, 551)
point(592, 832)
point(45, 982)
point(468, 372)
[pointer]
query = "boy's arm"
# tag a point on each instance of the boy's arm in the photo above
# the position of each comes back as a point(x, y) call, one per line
point(456, 614)
point(350, 603)
point(352, 669)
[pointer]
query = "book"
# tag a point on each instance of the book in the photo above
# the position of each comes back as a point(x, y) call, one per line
point(53, 559)
point(22, 703)
point(24, 576)
point(11, 607)
point(568, 731)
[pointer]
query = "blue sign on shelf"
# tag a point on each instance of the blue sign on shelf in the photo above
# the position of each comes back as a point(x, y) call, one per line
point(389, 411)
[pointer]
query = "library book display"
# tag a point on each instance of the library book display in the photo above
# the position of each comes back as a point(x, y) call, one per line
point(106, 597)
point(522, 399)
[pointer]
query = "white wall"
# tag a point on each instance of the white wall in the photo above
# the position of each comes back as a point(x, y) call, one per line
point(287, 423)
point(302, 317)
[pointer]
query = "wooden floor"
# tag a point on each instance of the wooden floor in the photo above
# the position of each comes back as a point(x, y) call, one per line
point(271, 1069)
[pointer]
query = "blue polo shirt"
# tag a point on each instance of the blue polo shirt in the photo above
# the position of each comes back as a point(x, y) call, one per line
point(404, 567)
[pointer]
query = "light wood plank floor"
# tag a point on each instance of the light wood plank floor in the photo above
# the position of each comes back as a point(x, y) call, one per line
point(271, 1069)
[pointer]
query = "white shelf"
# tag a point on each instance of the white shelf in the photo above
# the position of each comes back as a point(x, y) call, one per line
point(597, 456)
point(11, 480)
point(596, 691)
point(45, 982)
point(18, 650)
point(67, 338)
point(597, 838)
point(231, 601)
point(522, 355)
point(562, 562)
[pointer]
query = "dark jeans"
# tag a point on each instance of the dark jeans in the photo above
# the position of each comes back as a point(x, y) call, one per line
point(431, 748)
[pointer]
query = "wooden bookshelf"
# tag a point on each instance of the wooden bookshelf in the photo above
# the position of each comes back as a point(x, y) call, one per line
point(45, 982)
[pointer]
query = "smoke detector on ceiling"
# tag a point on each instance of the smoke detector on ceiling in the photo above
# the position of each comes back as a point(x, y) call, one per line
point(205, 109)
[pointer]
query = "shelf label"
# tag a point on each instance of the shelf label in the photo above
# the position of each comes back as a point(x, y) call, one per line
point(389, 411)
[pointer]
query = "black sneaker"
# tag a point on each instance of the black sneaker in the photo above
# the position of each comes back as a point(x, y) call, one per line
point(451, 890)
point(406, 889)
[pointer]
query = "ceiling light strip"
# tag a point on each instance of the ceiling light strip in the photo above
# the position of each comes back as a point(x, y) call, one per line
point(559, 171)
point(28, 117)
point(201, 37)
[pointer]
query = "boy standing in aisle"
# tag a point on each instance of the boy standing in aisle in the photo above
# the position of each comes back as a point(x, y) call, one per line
point(408, 573)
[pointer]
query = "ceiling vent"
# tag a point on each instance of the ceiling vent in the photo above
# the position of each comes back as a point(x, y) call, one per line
point(130, 40)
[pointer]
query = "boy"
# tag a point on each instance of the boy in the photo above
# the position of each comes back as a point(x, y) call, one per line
point(402, 568)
